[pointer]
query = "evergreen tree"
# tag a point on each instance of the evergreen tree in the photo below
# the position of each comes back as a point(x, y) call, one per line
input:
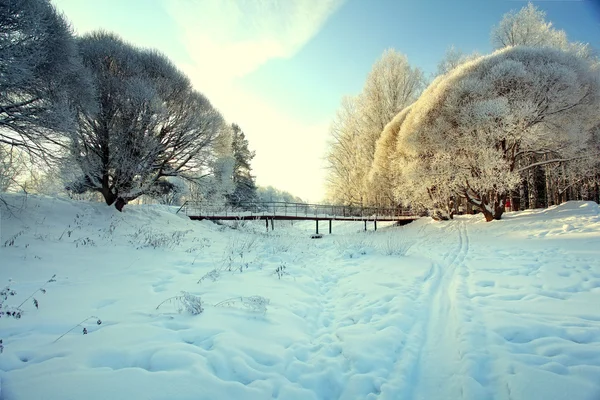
point(245, 187)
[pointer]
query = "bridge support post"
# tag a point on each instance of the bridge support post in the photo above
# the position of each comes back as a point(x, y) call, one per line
point(317, 225)
point(375, 222)
point(330, 227)
point(272, 224)
point(365, 225)
point(267, 224)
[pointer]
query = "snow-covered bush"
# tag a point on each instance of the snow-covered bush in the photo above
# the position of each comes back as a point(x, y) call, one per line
point(185, 302)
point(353, 246)
point(146, 237)
point(251, 303)
point(395, 244)
point(16, 311)
point(235, 257)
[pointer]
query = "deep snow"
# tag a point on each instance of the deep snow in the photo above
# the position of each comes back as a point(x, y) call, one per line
point(432, 310)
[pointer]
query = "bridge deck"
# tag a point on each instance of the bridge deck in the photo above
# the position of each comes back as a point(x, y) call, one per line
point(296, 211)
point(231, 217)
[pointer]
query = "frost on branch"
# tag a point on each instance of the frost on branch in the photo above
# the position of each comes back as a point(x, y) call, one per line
point(185, 302)
point(472, 131)
point(149, 123)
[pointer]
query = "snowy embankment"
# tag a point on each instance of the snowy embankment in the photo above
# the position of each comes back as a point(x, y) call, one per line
point(454, 310)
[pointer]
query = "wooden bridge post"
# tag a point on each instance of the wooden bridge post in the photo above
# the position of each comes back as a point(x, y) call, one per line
point(267, 224)
point(272, 224)
point(365, 225)
point(317, 225)
point(330, 227)
point(375, 222)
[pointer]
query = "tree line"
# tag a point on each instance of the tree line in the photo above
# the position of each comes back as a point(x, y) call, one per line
point(101, 115)
point(519, 126)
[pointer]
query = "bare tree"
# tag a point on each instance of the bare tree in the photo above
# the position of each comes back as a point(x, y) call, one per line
point(12, 163)
point(149, 123)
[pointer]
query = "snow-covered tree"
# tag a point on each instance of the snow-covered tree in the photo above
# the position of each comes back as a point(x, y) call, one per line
point(269, 193)
point(344, 177)
point(384, 171)
point(12, 164)
point(214, 186)
point(149, 124)
point(473, 131)
point(528, 27)
point(41, 77)
point(391, 85)
point(452, 59)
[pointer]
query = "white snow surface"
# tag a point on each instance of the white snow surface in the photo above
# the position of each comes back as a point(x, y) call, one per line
point(432, 310)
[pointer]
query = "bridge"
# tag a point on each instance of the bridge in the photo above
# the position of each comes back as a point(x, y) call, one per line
point(272, 211)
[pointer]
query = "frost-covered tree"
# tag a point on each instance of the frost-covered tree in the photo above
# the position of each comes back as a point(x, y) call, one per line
point(245, 188)
point(344, 177)
point(149, 124)
point(40, 76)
point(12, 164)
point(384, 171)
point(473, 131)
point(217, 184)
point(391, 85)
point(452, 59)
point(528, 27)
point(269, 193)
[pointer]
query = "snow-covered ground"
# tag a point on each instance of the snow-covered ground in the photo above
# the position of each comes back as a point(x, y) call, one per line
point(432, 310)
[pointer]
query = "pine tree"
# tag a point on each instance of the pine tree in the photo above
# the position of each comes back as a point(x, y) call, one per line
point(245, 187)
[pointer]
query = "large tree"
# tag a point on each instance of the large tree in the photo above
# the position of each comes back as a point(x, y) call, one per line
point(41, 78)
point(384, 173)
point(149, 123)
point(391, 85)
point(345, 177)
point(472, 131)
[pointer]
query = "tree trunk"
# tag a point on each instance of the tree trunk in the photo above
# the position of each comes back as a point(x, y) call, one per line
point(120, 203)
point(107, 193)
point(492, 206)
point(549, 190)
point(532, 188)
point(523, 195)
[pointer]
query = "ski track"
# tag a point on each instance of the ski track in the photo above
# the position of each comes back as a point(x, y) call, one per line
point(443, 368)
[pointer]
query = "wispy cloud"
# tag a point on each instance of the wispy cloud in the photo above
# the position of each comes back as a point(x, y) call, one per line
point(228, 39)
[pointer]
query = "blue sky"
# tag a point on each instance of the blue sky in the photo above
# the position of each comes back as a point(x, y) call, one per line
point(279, 68)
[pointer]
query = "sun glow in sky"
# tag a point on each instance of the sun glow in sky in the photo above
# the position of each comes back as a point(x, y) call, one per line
point(279, 68)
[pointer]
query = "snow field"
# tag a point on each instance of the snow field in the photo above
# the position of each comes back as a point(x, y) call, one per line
point(461, 309)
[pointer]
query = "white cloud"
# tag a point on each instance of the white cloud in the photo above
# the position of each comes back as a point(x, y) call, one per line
point(228, 39)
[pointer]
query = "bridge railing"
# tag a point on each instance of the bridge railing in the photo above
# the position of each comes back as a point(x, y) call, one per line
point(293, 210)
